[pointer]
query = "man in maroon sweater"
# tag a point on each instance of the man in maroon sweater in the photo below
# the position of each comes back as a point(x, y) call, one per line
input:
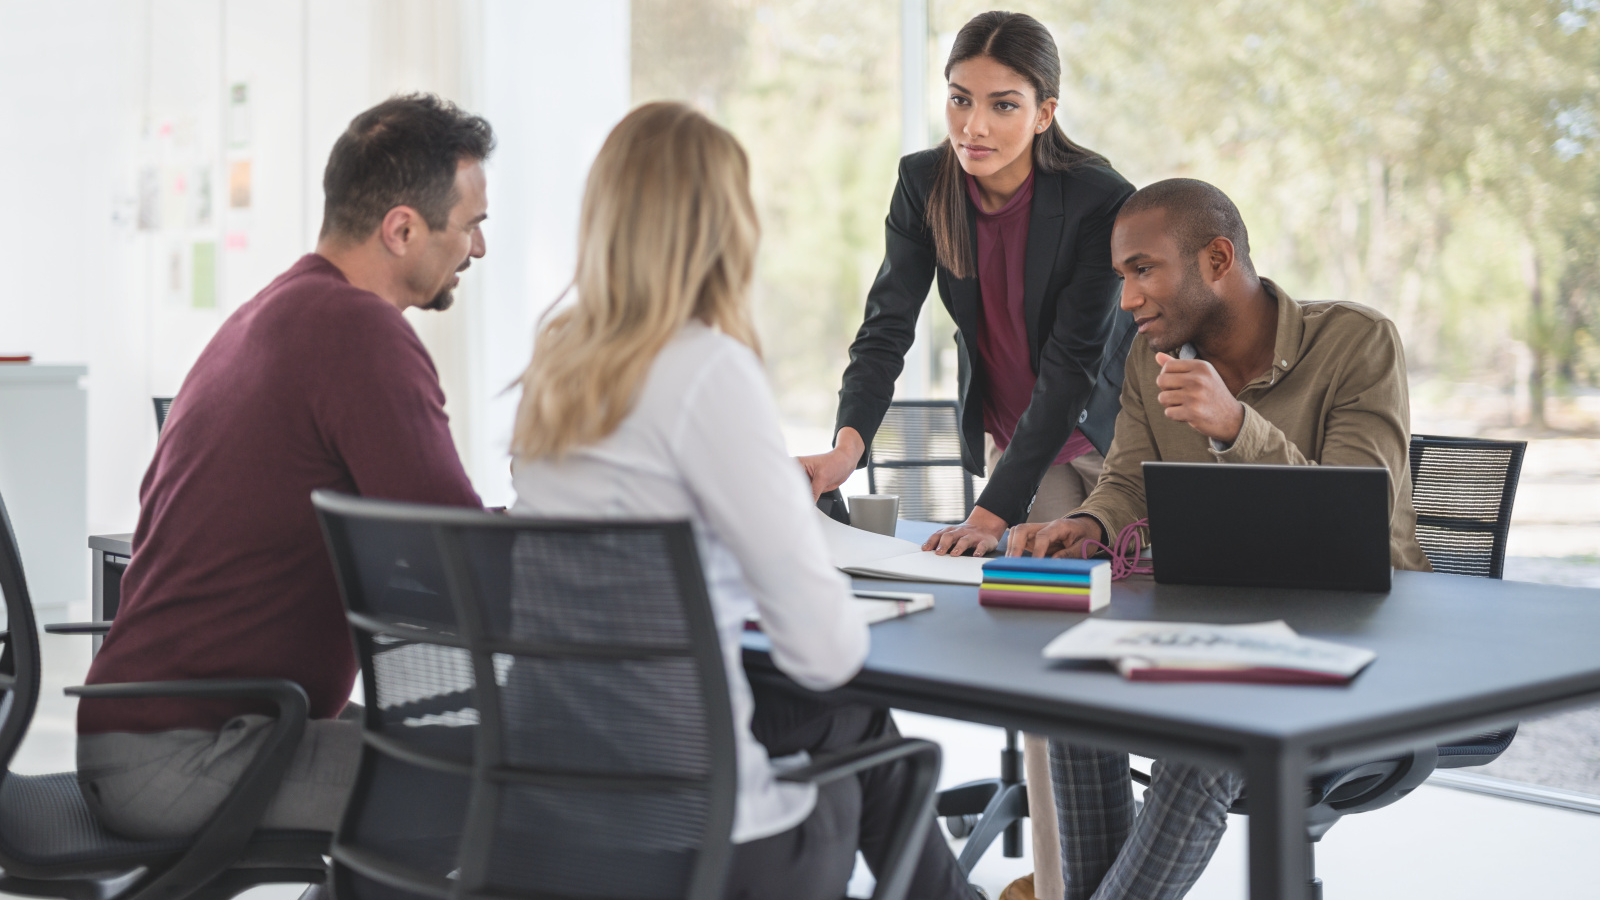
point(318, 382)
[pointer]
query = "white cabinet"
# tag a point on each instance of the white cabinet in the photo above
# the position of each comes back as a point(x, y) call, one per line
point(44, 480)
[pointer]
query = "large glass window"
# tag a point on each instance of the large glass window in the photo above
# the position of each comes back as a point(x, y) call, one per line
point(1437, 161)
point(812, 90)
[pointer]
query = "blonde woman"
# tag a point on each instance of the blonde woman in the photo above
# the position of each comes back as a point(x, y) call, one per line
point(646, 399)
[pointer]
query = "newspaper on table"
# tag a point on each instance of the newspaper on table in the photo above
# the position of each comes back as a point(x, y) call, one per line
point(1264, 652)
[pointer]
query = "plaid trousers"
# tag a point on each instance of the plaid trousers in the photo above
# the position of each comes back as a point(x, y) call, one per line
point(1106, 854)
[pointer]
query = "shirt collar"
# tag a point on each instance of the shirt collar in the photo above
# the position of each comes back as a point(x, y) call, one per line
point(1285, 345)
point(1291, 331)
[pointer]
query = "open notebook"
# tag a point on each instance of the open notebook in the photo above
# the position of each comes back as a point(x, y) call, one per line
point(870, 555)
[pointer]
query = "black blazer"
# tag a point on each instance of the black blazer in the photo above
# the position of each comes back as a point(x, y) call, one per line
point(1078, 338)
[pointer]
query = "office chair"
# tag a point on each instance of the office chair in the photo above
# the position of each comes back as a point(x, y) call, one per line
point(917, 455)
point(51, 845)
point(547, 711)
point(1463, 490)
point(163, 406)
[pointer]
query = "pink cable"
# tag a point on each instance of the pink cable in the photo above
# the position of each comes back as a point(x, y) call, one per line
point(1124, 552)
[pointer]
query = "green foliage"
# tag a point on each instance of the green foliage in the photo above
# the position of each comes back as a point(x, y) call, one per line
point(812, 89)
point(1436, 159)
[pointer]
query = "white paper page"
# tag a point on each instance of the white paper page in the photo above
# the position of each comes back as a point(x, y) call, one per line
point(881, 606)
point(879, 556)
point(925, 565)
point(853, 547)
point(1264, 644)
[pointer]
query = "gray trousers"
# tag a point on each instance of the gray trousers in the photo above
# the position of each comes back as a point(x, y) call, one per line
point(1108, 855)
point(813, 860)
point(169, 783)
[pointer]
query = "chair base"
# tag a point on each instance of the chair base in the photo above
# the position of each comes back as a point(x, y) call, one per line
point(981, 811)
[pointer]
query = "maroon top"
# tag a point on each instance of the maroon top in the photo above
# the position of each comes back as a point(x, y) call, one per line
point(1003, 329)
point(312, 384)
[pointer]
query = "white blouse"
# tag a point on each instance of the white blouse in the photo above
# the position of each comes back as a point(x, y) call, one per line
point(703, 444)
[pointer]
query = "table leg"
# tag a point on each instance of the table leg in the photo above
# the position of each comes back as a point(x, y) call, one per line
point(1276, 783)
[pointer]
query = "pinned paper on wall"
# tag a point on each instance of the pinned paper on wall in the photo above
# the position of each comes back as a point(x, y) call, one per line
point(239, 184)
point(200, 197)
point(149, 198)
point(239, 114)
point(203, 272)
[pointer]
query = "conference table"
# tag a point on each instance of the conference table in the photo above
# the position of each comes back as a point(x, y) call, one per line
point(1455, 656)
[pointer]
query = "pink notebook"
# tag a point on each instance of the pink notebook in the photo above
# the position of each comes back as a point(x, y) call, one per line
point(1073, 602)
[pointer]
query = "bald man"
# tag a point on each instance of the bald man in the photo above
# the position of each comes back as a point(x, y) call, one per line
point(1226, 368)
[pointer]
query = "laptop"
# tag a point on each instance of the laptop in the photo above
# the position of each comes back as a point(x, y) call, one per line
point(1269, 526)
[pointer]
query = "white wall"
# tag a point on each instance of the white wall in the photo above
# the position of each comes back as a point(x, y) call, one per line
point(555, 81)
point(100, 97)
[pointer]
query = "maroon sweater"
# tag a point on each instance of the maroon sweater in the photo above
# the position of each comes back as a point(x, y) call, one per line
point(312, 384)
point(1003, 329)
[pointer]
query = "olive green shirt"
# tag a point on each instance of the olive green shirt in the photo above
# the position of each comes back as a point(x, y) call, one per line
point(1335, 395)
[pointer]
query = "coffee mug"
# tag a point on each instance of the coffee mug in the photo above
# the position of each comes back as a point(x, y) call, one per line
point(875, 512)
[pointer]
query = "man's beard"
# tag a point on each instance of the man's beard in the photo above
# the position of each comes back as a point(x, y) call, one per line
point(441, 301)
point(1200, 308)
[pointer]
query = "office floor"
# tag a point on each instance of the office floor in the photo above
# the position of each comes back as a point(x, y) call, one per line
point(1438, 842)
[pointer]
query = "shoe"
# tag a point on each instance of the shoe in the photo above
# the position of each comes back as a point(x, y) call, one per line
point(1021, 889)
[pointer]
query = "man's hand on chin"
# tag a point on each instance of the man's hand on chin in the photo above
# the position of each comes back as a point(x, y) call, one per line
point(1193, 393)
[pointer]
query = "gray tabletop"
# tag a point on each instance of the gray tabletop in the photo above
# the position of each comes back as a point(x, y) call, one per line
point(1454, 653)
point(120, 544)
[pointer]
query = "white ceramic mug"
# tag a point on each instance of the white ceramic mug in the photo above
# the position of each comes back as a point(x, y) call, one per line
point(875, 512)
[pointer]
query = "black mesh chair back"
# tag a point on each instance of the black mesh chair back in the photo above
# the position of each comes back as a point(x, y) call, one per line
point(547, 708)
point(163, 406)
point(19, 657)
point(1463, 490)
point(916, 454)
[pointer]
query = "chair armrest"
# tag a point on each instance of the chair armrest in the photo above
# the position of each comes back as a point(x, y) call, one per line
point(913, 812)
point(224, 836)
point(77, 628)
point(834, 766)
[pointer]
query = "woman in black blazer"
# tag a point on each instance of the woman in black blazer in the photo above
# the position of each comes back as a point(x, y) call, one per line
point(1033, 368)
point(1004, 78)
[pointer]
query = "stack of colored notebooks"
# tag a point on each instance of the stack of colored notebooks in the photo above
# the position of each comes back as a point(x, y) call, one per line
point(1074, 585)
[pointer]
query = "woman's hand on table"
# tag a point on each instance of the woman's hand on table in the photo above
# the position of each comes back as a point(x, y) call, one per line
point(978, 535)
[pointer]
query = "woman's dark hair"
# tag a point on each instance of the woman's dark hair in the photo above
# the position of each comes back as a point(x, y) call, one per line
point(1020, 43)
point(402, 152)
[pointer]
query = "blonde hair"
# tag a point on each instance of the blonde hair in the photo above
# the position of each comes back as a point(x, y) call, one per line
point(667, 233)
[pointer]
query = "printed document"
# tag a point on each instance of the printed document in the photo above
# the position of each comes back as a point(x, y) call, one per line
point(1262, 651)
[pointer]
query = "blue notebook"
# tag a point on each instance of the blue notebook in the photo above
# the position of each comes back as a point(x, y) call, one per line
point(1044, 565)
point(1066, 578)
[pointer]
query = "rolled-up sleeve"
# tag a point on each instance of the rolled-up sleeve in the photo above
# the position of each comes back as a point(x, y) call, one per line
point(1117, 500)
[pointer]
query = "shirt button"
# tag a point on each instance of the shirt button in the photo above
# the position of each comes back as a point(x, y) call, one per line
point(1285, 363)
point(1083, 417)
